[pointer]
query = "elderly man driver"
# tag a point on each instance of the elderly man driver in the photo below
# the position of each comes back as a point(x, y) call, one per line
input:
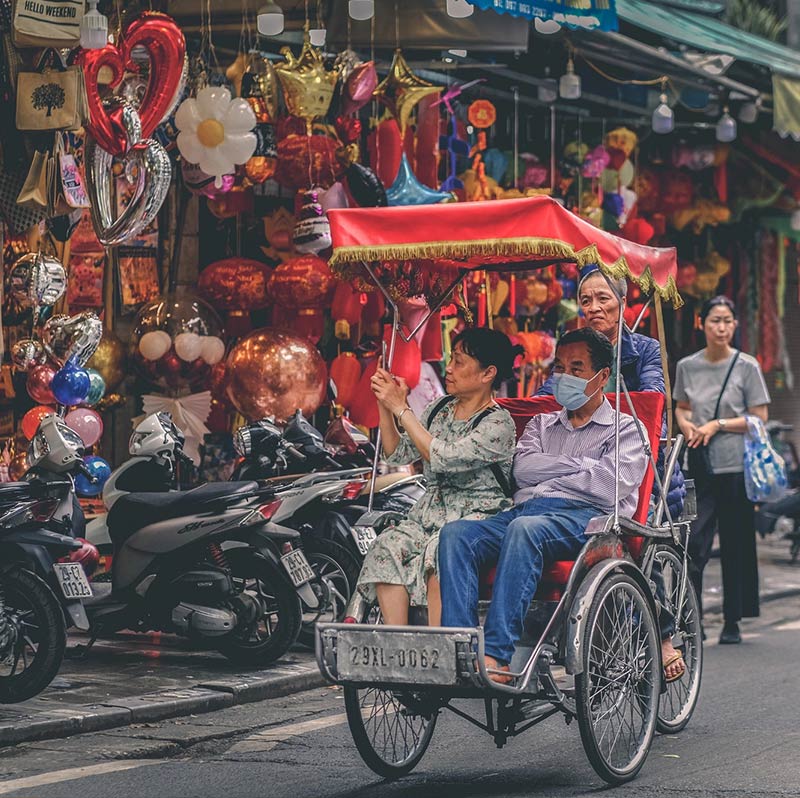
point(564, 471)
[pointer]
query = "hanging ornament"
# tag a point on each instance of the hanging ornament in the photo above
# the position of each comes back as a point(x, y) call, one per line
point(401, 90)
point(312, 233)
point(307, 85)
point(359, 87)
point(260, 89)
point(407, 190)
point(482, 114)
point(261, 165)
point(346, 310)
point(216, 131)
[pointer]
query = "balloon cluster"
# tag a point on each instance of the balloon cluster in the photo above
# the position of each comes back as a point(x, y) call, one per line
point(176, 341)
point(120, 125)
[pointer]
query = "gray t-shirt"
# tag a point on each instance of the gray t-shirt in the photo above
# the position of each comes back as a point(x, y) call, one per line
point(699, 382)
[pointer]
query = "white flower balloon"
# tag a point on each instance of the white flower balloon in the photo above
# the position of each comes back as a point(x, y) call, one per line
point(188, 346)
point(215, 131)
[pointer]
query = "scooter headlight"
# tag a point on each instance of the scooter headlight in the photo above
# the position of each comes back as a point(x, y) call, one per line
point(243, 441)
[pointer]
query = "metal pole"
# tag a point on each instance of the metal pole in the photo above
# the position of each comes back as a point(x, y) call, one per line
point(620, 325)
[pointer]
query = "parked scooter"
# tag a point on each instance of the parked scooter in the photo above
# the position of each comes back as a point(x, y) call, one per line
point(156, 446)
point(207, 563)
point(39, 585)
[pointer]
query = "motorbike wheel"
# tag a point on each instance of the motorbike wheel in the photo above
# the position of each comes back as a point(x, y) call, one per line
point(275, 630)
point(337, 573)
point(40, 633)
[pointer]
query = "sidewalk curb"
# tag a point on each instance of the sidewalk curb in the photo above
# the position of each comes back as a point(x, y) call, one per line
point(150, 707)
point(207, 696)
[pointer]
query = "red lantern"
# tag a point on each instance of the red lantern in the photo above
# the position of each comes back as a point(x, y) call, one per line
point(364, 405)
point(302, 282)
point(301, 157)
point(374, 311)
point(407, 358)
point(385, 148)
point(235, 284)
point(308, 323)
point(346, 309)
point(345, 372)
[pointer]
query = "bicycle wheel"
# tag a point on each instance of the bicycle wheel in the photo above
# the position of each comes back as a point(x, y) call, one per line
point(389, 732)
point(678, 702)
point(617, 693)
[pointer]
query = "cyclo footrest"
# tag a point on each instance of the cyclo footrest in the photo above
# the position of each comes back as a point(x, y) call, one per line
point(398, 655)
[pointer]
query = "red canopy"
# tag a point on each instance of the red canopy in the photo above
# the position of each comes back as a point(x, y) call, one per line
point(477, 235)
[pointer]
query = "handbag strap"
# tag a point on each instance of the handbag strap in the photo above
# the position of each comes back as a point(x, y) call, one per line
point(725, 384)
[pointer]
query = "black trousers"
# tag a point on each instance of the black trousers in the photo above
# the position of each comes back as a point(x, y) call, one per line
point(723, 506)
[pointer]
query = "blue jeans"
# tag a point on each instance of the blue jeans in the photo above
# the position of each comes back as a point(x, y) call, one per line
point(521, 540)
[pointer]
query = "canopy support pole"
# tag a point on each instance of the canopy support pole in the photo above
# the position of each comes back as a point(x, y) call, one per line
point(662, 343)
point(396, 330)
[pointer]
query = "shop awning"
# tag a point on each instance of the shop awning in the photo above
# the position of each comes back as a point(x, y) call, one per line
point(586, 14)
point(478, 235)
point(709, 34)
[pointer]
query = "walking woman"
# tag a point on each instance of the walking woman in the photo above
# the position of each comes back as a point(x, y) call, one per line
point(466, 444)
point(715, 388)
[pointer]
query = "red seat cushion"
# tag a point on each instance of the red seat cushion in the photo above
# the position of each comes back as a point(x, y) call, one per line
point(650, 410)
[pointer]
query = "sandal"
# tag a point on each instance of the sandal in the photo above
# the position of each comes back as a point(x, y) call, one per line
point(671, 661)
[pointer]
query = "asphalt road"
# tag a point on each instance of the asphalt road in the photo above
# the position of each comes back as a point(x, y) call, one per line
point(744, 740)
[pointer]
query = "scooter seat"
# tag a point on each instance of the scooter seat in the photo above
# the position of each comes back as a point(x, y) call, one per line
point(13, 492)
point(134, 511)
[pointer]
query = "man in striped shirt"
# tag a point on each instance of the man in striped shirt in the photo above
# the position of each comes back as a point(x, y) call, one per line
point(564, 471)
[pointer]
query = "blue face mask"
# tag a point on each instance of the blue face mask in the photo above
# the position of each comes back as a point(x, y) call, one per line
point(569, 391)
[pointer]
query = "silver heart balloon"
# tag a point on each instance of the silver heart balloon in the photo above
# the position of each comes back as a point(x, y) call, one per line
point(72, 337)
point(148, 167)
point(37, 279)
point(27, 353)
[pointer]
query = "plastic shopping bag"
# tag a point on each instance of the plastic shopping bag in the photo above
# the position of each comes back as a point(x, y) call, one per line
point(764, 469)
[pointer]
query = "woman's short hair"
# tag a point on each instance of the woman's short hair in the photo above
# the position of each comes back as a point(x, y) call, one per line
point(601, 350)
point(490, 348)
point(715, 302)
point(619, 284)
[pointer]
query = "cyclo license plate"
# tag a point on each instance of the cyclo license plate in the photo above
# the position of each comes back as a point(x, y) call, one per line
point(364, 536)
point(297, 567)
point(73, 581)
point(404, 657)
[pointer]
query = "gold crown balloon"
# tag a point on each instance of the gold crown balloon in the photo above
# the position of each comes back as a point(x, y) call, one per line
point(401, 90)
point(307, 85)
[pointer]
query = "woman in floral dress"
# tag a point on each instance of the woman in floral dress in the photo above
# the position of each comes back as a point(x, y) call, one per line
point(467, 448)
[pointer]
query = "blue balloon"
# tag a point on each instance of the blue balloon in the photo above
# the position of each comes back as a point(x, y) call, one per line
point(71, 384)
point(97, 387)
point(100, 471)
point(407, 190)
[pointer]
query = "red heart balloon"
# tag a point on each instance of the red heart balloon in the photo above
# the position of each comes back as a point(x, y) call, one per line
point(160, 35)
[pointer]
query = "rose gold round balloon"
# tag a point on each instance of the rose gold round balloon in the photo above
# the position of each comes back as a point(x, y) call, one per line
point(273, 373)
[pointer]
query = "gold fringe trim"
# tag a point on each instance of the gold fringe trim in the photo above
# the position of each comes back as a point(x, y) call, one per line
point(510, 247)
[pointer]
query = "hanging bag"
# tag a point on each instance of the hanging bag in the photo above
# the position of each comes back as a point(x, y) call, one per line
point(765, 477)
point(699, 458)
point(48, 23)
point(51, 98)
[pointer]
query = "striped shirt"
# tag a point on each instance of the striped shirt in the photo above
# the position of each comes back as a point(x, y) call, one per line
point(555, 460)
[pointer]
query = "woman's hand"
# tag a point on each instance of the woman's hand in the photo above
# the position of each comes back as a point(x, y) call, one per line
point(391, 392)
point(700, 436)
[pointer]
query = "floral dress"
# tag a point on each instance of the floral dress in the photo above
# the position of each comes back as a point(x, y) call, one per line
point(460, 484)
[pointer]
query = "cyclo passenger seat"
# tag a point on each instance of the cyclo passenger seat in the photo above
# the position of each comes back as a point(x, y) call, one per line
point(649, 408)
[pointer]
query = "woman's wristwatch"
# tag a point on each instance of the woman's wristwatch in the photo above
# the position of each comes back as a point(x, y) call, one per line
point(722, 423)
point(400, 415)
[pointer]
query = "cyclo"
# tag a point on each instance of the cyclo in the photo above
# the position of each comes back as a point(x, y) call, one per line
point(591, 646)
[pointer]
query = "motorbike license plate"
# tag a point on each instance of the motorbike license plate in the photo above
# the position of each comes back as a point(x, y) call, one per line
point(364, 536)
point(297, 567)
point(403, 657)
point(73, 581)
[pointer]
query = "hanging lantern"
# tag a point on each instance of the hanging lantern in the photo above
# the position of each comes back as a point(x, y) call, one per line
point(407, 358)
point(345, 373)
point(346, 310)
point(302, 282)
point(364, 406)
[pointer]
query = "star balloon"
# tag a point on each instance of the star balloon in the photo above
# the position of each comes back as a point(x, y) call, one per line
point(401, 90)
point(407, 190)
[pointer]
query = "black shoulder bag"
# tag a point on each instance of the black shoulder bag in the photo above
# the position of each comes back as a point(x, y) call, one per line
point(700, 457)
point(496, 468)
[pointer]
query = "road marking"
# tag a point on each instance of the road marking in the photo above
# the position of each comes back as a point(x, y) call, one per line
point(56, 776)
point(268, 739)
